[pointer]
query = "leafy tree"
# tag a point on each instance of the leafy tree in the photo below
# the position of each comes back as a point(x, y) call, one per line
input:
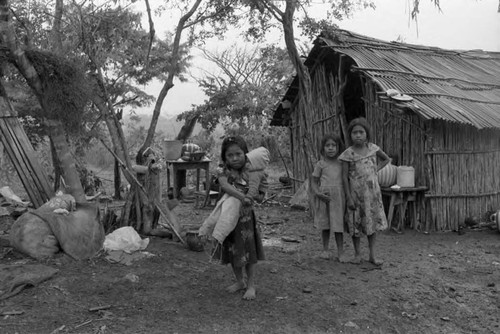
point(243, 88)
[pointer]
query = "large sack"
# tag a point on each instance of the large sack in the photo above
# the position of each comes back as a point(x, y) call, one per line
point(32, 236)
point(79, 233)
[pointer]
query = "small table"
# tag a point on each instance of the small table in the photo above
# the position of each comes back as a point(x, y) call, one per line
point(400, 198)
point(178, 165)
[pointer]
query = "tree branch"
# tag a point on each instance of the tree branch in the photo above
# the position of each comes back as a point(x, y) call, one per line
point(56, 28)
point(151, 32)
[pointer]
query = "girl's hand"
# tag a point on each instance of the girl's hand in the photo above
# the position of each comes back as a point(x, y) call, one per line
point(247, 201)
point(323, 197)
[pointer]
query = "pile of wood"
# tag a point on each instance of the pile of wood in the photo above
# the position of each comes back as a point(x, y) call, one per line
point(22, 156)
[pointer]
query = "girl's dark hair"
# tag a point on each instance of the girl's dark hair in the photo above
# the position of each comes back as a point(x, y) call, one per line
point(361, 121)
point(230, 141)
point(336, 139)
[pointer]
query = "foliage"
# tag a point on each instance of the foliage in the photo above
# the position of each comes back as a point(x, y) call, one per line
point(65, 89)
point(136, 134)
point(245, 88)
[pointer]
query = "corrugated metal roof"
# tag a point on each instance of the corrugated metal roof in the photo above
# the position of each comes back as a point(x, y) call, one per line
point(451, 85)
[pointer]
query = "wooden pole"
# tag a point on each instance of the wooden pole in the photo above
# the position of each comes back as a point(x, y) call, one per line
point(164, 211)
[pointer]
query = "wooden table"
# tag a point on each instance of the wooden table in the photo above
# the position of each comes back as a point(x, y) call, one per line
point(177, 165)
point(400, 198)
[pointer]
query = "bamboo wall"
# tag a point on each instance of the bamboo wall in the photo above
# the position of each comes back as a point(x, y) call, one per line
point(322, 113)
point(402, 136)
point(456, 162)
point(463, 173)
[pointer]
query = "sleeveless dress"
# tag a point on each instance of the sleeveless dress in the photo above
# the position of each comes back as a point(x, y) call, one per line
point(369, 215)
point(329, 216)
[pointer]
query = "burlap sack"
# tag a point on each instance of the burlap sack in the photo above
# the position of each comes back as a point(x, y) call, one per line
point(42, 233)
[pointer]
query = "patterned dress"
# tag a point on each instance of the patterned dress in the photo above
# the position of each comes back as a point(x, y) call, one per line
point(369, 215)
point(329, 216)
point(243, 245)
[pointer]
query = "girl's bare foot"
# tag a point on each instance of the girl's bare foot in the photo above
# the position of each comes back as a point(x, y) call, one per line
point(236, 287)
point(325, 255)
point(356, 260)
point(249, 294)
point(340, 257)
point(376, 262)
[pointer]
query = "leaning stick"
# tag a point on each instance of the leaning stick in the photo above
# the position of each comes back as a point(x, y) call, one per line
point(164, 213)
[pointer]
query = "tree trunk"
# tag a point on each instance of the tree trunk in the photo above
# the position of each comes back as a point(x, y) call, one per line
point(71, 177)
point(169, 82)
point(57, 166)
point(187, 129)
point(304, 83)
point(117, 180)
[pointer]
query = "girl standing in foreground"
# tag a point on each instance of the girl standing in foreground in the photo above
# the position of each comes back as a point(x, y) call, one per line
point(330, 199)
point(365, 214)
point(242, 248)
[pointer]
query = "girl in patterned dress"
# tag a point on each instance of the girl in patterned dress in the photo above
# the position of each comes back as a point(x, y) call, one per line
point(365, 214)
point(329, 192)
point(242, 248)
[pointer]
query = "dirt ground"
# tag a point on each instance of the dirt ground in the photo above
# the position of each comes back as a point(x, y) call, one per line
point(429, 283)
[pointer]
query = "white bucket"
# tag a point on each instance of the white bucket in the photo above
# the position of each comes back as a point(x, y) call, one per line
point(406, 177)
point(172, 149)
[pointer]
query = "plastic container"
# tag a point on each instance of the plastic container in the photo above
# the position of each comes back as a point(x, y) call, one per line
point(406, 177)
point(387, 176)
point(172, 149)
point(495, 218)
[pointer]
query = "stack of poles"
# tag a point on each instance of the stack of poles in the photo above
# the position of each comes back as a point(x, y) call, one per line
point(22, 156)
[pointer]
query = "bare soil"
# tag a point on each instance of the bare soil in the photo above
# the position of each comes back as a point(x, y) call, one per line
point(429, 283)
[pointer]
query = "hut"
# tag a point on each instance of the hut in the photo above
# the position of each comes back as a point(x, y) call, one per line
point(445, 122)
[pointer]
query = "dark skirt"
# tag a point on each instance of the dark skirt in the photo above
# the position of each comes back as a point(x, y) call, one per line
point(243, 245)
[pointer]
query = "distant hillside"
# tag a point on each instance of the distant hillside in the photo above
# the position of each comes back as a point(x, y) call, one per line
point(168, 125)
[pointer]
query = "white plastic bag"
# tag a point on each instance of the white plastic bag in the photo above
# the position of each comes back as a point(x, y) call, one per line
point(125, 239)
point(9, 195)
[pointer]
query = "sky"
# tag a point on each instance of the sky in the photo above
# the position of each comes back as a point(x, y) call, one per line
point(461, 24)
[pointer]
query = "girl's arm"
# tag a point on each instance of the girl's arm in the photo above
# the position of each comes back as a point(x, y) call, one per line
point(383, 159)
point(230, 189)
point(316, 191)
point(347, 187)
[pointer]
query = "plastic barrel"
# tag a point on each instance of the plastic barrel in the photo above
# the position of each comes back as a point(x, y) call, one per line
point(172, 149)
point(406, 177)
